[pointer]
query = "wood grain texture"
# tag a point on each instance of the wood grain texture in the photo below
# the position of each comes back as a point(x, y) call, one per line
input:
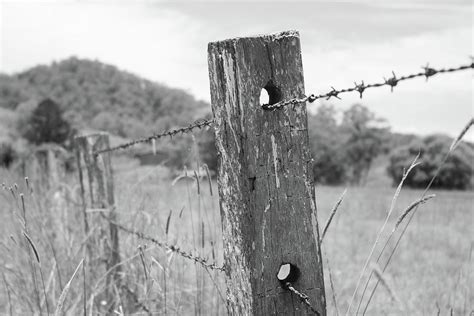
point(264, 176)
point(97, 190)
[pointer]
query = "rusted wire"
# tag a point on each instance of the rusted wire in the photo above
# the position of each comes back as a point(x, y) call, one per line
point(361, 87)
point(173, 248)
point(182, 130)
point(303, 297)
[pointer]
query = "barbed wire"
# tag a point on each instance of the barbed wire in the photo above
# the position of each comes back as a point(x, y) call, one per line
point(361, 87)
point(199, 124)
point(303, 297)
point(334, 93)
point(169, 247)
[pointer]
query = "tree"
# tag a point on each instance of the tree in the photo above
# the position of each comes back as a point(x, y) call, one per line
point(7, 155)
point(456, 173)
point(12, 92)
point(47, 125)
point(326, 146)
point(365, 136)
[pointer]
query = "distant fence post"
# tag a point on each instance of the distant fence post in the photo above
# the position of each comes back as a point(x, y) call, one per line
point(97, 190)
point(45, 166)
point(265, 180)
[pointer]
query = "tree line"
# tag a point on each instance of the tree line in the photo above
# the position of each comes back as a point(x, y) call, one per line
point(52, 103)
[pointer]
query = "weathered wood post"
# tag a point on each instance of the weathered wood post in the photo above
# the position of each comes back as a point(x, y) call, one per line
point(45, 166)
point(97, 190)
point(265, 181)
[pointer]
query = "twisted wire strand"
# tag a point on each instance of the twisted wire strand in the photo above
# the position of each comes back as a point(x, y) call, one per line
point(361, 87)
point(334, 93)
point(303, 297)
point(182, 130)
point(173, 248)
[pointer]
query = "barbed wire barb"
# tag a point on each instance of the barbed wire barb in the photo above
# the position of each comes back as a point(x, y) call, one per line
point(173, 248)
point(392, 82)
point(429, 71)
point(362, 87)
point(303, 297)
point(333, 93)
point(199, 124)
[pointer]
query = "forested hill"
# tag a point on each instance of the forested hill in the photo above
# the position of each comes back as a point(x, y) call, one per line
point(100, 96)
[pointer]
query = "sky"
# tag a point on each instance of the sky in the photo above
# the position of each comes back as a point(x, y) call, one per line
point(342, 42)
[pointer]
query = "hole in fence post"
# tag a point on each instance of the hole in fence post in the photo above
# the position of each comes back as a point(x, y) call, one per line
point(270, 94)
point(288, 272)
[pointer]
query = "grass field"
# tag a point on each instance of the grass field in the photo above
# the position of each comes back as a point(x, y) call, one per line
point(430, 273)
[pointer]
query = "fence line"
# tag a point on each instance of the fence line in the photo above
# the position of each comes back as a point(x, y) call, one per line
point(303, 297)
point(247, 199)
point(334, 93)
point(361, 87)
point(197, 259)
point(266, 192)
point(199, 124)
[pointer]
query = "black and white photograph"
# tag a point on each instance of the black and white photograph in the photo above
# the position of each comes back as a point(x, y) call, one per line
point(236, 157)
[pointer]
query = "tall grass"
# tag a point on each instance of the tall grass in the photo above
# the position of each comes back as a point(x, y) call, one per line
point(43, 241)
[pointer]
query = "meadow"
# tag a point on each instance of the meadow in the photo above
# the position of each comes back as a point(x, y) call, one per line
point(430, 274)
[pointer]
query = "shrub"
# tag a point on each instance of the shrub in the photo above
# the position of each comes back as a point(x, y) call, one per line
point(456, 173)
point(7, 155)
point(47, 125)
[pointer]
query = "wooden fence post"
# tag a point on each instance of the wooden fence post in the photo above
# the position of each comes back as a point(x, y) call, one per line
point(265, 175)
point(97, 190)
point(45, 166)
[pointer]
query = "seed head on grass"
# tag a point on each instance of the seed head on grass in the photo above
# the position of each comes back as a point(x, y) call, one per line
point(333, 212)
point(457, 140)
point(412, 213)
point(411, 207)
point(32, 245)
point(379, 234)
point(63, 295)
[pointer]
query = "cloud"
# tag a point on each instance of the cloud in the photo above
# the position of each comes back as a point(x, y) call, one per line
point(341, 42)
point(440, 105)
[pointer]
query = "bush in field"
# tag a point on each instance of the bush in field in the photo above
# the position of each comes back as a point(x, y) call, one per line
point(207, 150)
point(7, 155)
point(46, 125)
point(344, 151)
point(456, 173)
point(365, 139)
point(326, 147)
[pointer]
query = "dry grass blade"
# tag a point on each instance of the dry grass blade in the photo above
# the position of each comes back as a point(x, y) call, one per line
point(461, 135)
point(197, 182)
point(32, 245)
point(383, 280)
point(410, 208)
point(407, 211)
point(333, 212)
point(333, 290)
point(10, 307)
point(438, 170)
point(63, 295)
point(168, 220)
point(22, 197)
point(142, 258)
point(171, 248)
point(206, 168)
point(379, 234)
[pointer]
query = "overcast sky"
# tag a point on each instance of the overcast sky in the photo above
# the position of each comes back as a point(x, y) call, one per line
point(342, 41)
